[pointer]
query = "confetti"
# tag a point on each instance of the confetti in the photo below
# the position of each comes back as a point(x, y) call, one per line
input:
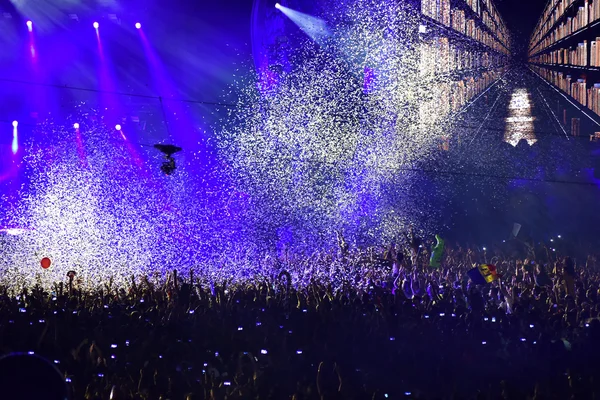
point(339, 138)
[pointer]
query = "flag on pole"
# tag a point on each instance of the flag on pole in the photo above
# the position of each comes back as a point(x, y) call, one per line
point(516, 229)
point(437, 253)
point(484, 273)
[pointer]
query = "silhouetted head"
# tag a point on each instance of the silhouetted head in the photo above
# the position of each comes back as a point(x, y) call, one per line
point(30, 377)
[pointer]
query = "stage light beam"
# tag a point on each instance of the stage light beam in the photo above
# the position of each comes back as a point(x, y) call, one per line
point(76, 125)
point(31, 41)
point(314, 27)
point(96, 25)
point(118, 127)
point(15, 141)
point(138, 25)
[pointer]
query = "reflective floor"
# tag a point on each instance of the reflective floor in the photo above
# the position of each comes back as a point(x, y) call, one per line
point(519, 123)
point(515, 160)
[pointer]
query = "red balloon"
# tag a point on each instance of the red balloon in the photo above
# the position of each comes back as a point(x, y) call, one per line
point(46, 262)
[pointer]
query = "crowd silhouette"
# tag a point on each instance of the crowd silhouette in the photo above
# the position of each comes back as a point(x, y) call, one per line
point(371, 323)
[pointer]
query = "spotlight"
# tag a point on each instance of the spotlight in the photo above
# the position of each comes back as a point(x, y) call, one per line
point(96, 25)
point(118, 127)
point(15, 123)
point(76, 125)
point(138, 25)
point(168, 167)
point(277, 6)
point(30, 25)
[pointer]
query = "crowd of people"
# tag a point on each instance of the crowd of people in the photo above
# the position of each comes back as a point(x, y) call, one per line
point(357, 324)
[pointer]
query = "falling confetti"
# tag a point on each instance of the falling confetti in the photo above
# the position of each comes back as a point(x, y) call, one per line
point(341, 139)
point(326, 149)
point(103, 214)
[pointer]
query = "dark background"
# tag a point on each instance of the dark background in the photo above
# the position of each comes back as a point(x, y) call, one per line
point(520, 16)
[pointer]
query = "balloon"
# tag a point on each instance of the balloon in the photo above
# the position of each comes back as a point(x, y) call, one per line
point(46, 262)
point(437, 253)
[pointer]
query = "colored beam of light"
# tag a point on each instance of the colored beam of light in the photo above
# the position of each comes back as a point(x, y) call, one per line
point(171, 106)
point(12, 172)
point(100, 50)
point(80, 147)
point(15, 141)
point(110, 100)
point(32, 51)
point(314, 27)
point(519, 124)
point(177, 118)
point(38, 94)
point(137, 159)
